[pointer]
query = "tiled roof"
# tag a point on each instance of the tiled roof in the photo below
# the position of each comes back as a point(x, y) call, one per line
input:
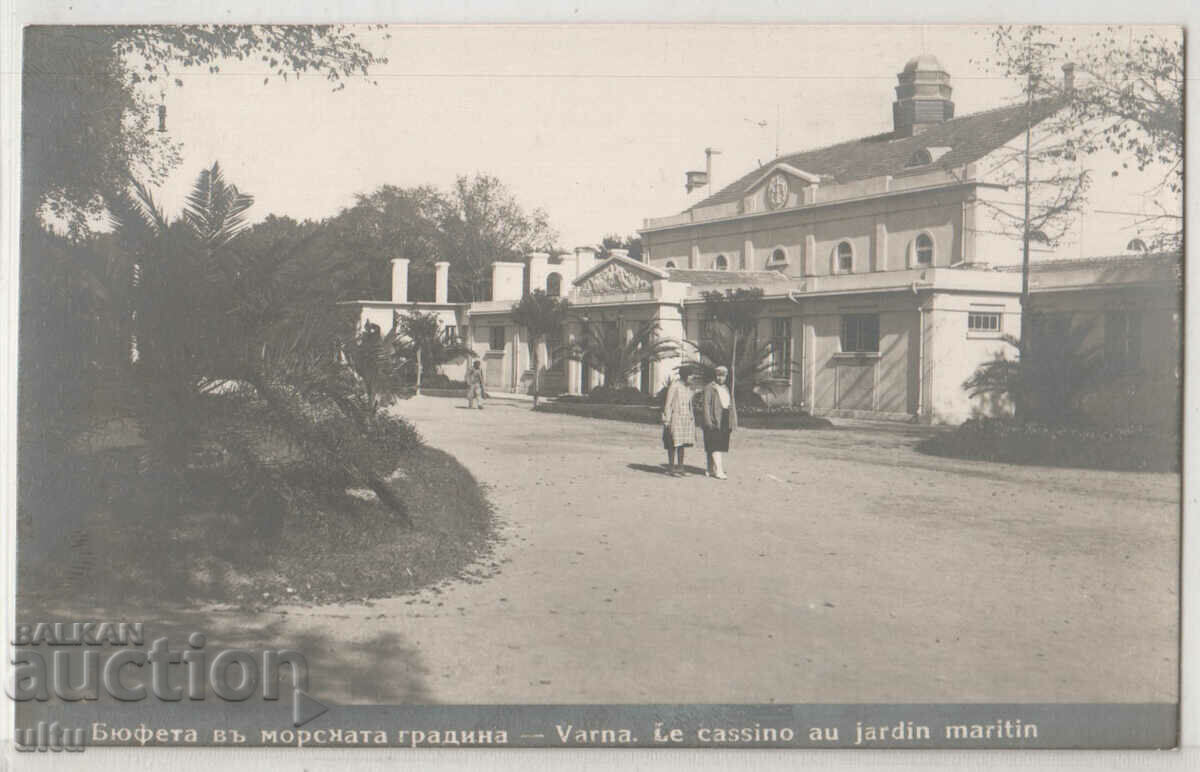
point(740, 278)
point(969, 138)
point(1110, 261)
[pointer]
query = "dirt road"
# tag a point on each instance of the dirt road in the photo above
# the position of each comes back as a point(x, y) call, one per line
point(833, 566)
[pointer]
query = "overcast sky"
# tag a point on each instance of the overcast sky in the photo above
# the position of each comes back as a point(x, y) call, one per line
point(595, 124)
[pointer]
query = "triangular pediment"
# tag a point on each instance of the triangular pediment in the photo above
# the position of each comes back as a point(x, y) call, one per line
point(618, 275)
point(801, 176)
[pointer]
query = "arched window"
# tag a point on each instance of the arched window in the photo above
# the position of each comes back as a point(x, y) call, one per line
point(670, 264)
point(924, 249)
point(1137, 245)
point(778, 257)
point(845, 257)
point(921, 157)
point(721, 263)
point(553, 285)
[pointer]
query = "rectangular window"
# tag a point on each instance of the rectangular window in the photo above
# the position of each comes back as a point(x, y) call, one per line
point(497, 342)
point(706, 328)
point(781, 348)
point(450, 333)
point(860, 333)
point(983, 321)
point(1123, 340)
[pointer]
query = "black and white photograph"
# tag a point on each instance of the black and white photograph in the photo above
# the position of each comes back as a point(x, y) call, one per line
point(736, 386)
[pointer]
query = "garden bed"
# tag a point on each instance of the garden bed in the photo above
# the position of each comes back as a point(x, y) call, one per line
point(990, 439)
point(332, 543)
point(750, 418)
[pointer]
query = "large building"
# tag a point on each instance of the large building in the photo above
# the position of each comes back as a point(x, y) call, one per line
point(887, 277)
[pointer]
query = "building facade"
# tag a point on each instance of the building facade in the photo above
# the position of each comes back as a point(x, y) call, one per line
point(886, 278)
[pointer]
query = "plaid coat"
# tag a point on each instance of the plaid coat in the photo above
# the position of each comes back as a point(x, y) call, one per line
point(677, 414)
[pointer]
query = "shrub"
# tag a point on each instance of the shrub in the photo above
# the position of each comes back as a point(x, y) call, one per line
point(442, 381)
point(618, 395)
point(1133, 448)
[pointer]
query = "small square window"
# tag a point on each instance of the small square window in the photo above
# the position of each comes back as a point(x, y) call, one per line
point(983, 321)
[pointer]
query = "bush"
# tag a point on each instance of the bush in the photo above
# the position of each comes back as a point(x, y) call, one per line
point(441, 381)
point(618, 395)
point(750, 418)
point(1134, 448)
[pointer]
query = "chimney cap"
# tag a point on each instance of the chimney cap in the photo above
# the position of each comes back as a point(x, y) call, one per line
point(924, 63)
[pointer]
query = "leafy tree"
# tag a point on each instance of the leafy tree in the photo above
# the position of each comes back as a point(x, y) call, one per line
point(1128, 98)
point(737, 311)
point(88, 111)
point(605, 348)
point(542, 316)
point(1045, 163)
point(422, 343)
point(750, 364)
point(482, 223)
point(389, 222)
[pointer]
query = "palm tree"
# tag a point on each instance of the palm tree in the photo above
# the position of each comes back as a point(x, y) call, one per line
point(751, 364)
point(542, 316)
point(1047, 382)
point(602, 347)
point(421, 342)
point(208, 317)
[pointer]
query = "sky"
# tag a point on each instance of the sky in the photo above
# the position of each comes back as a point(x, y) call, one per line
point(595, 124)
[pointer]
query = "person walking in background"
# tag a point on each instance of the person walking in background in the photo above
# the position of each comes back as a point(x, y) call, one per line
point(475, 386)
point(679, 424)
point(719, 418)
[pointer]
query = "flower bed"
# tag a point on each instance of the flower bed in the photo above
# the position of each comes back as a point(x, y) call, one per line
point(750, 418)
point(994, 439)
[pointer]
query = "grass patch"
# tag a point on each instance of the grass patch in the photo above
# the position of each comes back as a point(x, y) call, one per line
point(1136, 449)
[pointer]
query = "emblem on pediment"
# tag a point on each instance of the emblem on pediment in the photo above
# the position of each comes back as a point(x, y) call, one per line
point(614, 280)
point(777, 192)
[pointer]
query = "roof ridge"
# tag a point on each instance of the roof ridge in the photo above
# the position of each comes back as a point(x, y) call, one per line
point(784, 158)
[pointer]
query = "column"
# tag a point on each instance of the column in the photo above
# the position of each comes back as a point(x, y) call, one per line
point(573, 366)
point(879, 247)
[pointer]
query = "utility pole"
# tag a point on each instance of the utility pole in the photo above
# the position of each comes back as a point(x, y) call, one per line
point(1025, 229)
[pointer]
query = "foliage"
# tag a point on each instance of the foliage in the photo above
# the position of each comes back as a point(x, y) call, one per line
point(542, 316)
point(88, 92)
point(605, 348)
point(1128, 99)
point(732, 342)
point(617, 395)
point(1132, 448)
point(421, 344)
point(1058, 181)
point(635, 412)
point(206, 322)
point(1048, 382)
point(481, 223)
point(387, 223)
point(632, 244)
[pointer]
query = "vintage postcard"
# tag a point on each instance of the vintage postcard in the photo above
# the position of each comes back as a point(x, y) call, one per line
point(660, 386)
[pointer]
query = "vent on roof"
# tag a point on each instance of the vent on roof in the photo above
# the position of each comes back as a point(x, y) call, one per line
point(920, 158)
